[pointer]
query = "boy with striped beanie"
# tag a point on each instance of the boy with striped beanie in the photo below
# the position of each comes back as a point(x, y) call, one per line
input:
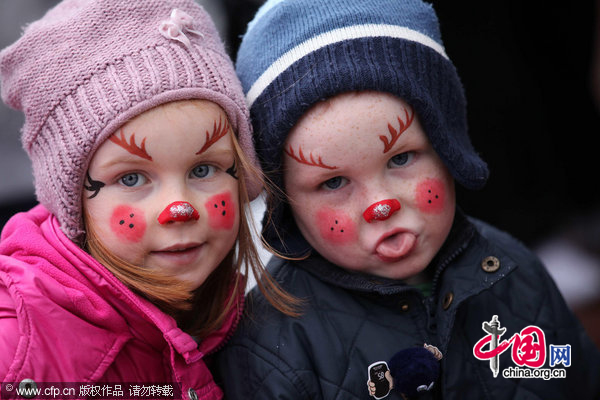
point(360, 121)
point(296, 53)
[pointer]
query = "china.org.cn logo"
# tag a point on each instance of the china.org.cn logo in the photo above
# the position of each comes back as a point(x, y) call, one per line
point(528, 351)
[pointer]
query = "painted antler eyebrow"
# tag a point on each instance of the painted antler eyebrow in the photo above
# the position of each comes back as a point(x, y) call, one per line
point(301, 159)
point(131, 146)
point(387, 143)
point(218, 132)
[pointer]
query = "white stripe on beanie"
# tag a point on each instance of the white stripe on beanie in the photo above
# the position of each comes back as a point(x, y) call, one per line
point(335, 36)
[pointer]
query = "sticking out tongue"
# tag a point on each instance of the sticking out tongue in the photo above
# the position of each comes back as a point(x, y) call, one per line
point(396, 246)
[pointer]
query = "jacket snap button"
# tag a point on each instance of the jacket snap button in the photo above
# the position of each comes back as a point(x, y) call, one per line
point(447, 300)
point(192, 394)
point(490, 264)
point(28, 386)
point(404, 306)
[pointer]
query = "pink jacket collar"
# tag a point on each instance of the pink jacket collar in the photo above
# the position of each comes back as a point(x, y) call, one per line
point(34, 252)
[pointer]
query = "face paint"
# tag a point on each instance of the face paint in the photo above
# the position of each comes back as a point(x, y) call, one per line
point(94, 186)
point(128, 223)
point(221, 211)
point(430, 196)
point(232, 171)
point(131, 147)
point(302, 159)
point(381, 210)
point(336, 227)
point(395, 134)
point(179, 211)
point(218, 132)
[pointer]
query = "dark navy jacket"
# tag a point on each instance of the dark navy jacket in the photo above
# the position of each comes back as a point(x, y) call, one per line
point(351, 320)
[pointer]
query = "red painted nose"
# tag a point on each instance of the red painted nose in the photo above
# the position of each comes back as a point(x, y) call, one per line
point(381, 210)
point(178, 211)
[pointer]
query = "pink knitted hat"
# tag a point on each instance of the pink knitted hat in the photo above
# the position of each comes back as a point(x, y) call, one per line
point(88, 66)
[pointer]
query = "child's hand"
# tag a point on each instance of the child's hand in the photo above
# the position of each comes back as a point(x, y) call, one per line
point(388, 376)
point(371, 384)
point(371, 388)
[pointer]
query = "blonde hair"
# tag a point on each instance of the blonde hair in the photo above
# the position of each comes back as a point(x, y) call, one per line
point(202, 310)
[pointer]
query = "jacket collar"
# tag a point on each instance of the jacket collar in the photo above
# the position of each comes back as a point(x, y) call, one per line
point(98, 300)
point(468, 277)
point(458, 239)
point(465, 250)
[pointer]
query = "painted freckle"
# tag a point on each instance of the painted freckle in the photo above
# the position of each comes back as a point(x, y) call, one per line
point(430, 196)
point(221, 211)
point(335, 226)
point(128, 223)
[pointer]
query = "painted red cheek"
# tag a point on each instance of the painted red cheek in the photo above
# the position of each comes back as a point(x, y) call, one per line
point(128, 223)
point(336, 227)
point(430, 196)
point(221, 211)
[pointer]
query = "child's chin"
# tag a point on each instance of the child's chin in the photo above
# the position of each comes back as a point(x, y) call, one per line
point(402, 269)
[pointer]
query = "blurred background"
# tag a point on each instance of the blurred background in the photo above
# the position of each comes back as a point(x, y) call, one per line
point(531, 72)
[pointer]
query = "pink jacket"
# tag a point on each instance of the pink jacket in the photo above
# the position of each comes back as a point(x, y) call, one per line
point(66, 318)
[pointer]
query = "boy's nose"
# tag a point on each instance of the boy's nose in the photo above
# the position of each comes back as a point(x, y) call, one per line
point(178, 211)
point(381, 210)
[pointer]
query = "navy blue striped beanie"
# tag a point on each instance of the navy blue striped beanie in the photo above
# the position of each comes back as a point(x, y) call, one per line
point(296, 53)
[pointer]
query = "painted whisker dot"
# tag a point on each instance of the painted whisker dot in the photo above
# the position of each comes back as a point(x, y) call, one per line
point(221, 211)
point(430, 196)
point(127, 223)
point(335, 226)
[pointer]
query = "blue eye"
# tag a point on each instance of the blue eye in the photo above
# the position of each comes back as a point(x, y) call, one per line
point(400, 160)
point(203, 171)
point(132, 180)
point(335, 183)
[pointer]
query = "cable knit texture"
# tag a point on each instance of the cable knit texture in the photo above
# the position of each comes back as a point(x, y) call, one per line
point(87, 67)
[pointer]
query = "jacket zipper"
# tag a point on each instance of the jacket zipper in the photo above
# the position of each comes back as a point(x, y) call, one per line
point(442, 267)
point(232, 329)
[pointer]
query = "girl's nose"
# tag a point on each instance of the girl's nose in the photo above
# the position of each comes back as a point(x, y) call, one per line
point(381, 210)
point(178, 211)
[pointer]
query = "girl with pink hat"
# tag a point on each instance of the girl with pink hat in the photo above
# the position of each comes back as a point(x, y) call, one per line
point(130, 269)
